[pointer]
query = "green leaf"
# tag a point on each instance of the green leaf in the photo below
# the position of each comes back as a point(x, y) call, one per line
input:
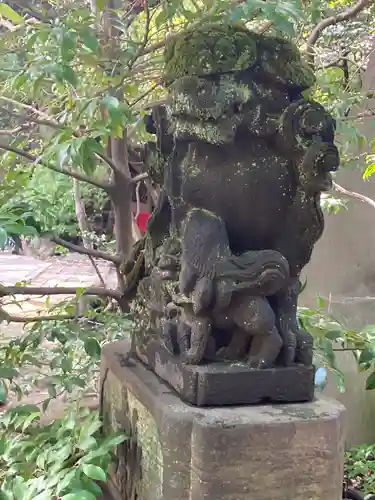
point(101, 5)
point(69, 75)
point(21, 229)
point(111, 442)
point(370, 170)
point(87, 443)
point(8, 373)
point(24, 410)
point(90, 41)
point(321, 302)
point(68, 46)
point(161, 18)
point(30, 419)
point(3, 237)
point(110, 102)
point(9, 13)
point(334, 334)
point(370, 382)
point(92, 347)
point(80, 291)
point(366, 356)
point(79, 495)
point(3, 393)
point(94, 472)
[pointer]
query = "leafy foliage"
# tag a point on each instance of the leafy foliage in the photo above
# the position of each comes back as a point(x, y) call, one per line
point(63, 459)
point(67, 456)
point(360, 468)
point(14, 222)
point(331, 336)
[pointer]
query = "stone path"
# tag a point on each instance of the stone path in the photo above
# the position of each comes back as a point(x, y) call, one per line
point(72, 270)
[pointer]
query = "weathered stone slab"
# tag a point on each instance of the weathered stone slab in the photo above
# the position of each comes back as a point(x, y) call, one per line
point(177, 451)
point(219, 384)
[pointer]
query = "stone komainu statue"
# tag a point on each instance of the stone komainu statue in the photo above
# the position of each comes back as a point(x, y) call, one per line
point(242, 157)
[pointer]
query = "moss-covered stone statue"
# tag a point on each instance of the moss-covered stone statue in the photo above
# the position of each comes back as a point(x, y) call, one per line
point(243, 158)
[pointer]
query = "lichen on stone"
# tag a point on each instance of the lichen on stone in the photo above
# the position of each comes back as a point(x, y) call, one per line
point(207, 99)
point(214, 132)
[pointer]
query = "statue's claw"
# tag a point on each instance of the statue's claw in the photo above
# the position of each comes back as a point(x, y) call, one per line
point(257, 363)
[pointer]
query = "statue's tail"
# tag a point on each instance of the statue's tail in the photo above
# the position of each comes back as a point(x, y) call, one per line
point(261, 272)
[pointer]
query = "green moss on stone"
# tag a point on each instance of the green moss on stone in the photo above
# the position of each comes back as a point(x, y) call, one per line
point(208, 50)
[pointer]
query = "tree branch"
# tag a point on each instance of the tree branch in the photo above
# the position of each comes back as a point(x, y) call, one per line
point(330, 21)
point(87, 251)
point(26, 106)
point(64, 171)
point(365, 114)
point(97, 270)
point(139, 177)
point(353, 194)
point(13, 131)
point(13, 318)
point(46, 290)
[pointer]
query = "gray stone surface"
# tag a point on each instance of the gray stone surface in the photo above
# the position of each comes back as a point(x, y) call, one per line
point(223, 383)
point(180, 452)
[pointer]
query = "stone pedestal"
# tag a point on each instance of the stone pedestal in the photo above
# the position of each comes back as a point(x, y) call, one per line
point(177, 451)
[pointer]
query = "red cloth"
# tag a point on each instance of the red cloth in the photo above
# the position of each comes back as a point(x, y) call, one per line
point(142, 221)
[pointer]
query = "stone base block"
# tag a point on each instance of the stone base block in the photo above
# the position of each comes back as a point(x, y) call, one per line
point(219, 384)
point(179, 452)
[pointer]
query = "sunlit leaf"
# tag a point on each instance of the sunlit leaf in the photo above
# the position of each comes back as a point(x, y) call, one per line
point(370, 382)
point(9, 13)
point(3, 237)
point(92, 347)
point(8, 373)
point(94, 472)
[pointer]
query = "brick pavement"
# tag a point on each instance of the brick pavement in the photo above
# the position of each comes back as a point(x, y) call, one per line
point(71, 271)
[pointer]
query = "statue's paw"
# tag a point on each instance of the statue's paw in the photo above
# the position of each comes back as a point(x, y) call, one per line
point(304, 350)
point(257, 363)
point(191, 357)
point(203, 295)
point(287, 356)
point(169, 337)
point(228, 354)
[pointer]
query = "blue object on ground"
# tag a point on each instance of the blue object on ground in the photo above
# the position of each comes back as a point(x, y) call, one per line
point(321, 375)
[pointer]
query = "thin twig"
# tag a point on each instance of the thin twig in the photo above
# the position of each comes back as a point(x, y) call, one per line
point(364, 114)
point(145, 94)
point(138, 200)
point(97, 270)
point(26, 106)
point(330, 21)
point(13, 318)
point(353, 194)
point(60, 170)
point(87, 251)
point(12, 131)
point(140, 177)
